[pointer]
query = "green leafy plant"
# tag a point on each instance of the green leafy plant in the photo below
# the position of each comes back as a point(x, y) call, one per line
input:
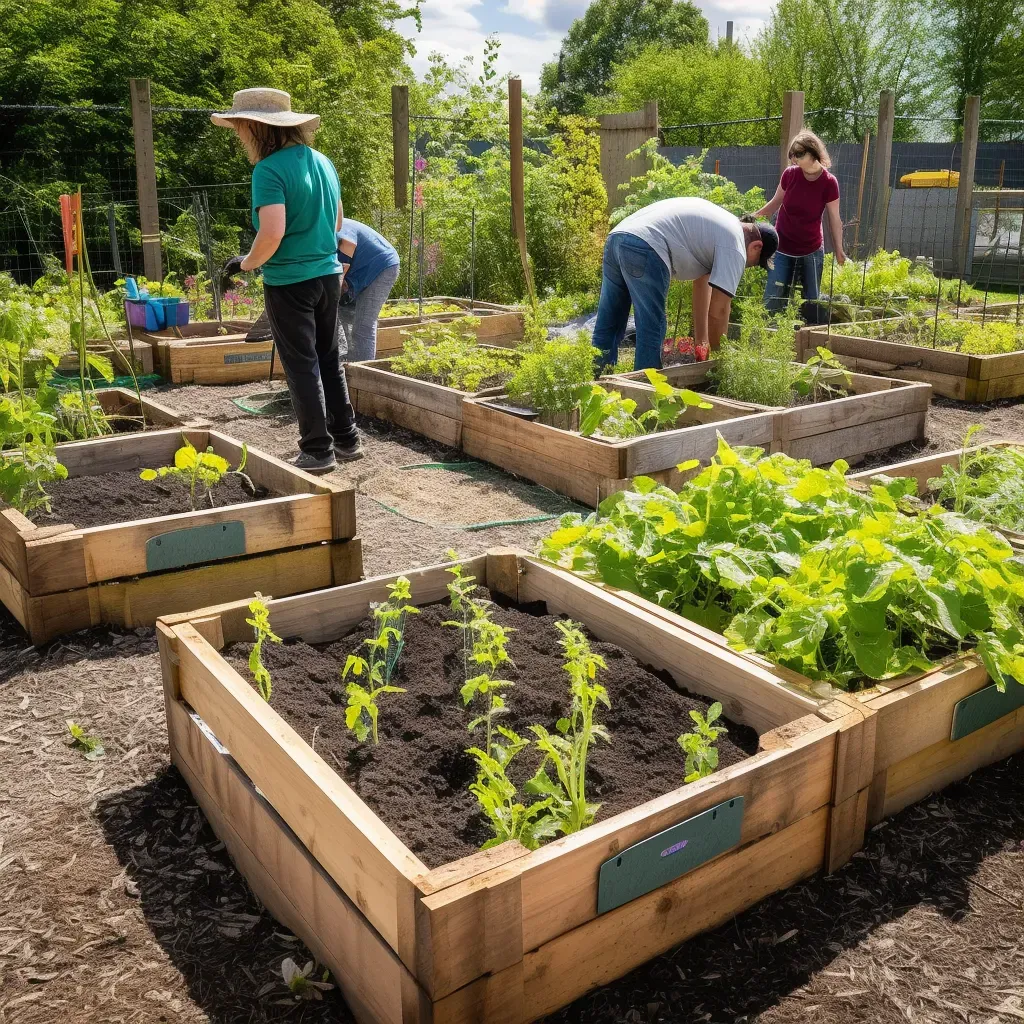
point(790, 561)
point(822, 377)
point(199, 471)
point(490, 654)
point(397, 309)
point(449, 354)
point(943, 332)
point(378, 670)
point(987, 485)
point(499, 800)
point(25, 473)
point(263, 632)
point(90, 746)
point(607, 413)
point(460, 592)
point(699, 745)
point(567, 748)
point(549, 377)
point(758, 366)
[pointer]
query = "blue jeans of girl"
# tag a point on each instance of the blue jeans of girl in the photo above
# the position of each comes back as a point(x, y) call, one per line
point(788, 272)
point(634, 275)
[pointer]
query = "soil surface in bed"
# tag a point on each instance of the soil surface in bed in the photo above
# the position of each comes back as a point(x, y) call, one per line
point(109, 498)
point(416, 779)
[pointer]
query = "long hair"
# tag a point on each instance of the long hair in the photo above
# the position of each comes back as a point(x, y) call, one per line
point(805, 141)
point(260, 140)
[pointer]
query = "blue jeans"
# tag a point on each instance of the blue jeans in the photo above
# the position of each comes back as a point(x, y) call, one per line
point(634, 275)
point(787, 271)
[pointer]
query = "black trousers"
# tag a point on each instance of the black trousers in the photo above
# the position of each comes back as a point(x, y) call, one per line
point(304, 321)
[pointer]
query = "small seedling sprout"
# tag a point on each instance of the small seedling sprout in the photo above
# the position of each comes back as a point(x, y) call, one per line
point(194, 469)
point(260, 623)
point(699, 745)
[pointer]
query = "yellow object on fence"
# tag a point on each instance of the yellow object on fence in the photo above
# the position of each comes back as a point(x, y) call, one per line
point(931, 179)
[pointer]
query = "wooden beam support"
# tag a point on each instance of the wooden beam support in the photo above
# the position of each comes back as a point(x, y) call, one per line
point(883, 162)
point(965, 190)
point(400, 142)
point(515, 145)
point(792, 122)
point(145, 174)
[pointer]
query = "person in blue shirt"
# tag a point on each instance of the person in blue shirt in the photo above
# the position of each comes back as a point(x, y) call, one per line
point(297, 212)
point(371, 270)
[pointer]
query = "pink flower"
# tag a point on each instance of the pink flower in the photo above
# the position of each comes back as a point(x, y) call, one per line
point(232, 297)
point(419, 196)
point(190, 282)
point(420, 164)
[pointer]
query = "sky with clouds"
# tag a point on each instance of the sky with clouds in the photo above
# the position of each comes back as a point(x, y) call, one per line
point(531, 30)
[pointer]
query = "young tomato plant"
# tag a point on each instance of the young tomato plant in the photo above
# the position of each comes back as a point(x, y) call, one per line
point(499, 801)
point(197, 469)
point(567, 748)
point(260, 623)
point(460, 592)
point(699, 745)
point(25, 473)
point(385, 650)
point(490, 643)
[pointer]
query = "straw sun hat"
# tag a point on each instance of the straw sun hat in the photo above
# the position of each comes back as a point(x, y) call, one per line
point(271, 106)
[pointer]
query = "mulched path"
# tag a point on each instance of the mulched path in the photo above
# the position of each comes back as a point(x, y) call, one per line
point(117, 902)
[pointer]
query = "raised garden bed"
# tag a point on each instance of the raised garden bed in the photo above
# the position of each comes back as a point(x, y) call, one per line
point(499, 325)
point(930, 467)
point(588, 469)
point(504, 934)
point(872, 347)
point(143, 363)
point(210, 352)
point(127, 571)
point(877, 413)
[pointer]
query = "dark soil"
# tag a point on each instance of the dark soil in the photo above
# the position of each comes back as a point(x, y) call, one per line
point(110, 498)
point(416, 779)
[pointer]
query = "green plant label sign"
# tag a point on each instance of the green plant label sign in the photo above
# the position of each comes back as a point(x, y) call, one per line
point(195, 545)
point(655, 861)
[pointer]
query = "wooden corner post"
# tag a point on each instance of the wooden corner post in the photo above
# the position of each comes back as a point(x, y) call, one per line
point(883, 162)
point(145, 174)
point(400, 142)
point(965, 190)
point(792, 122)
point(516, 183)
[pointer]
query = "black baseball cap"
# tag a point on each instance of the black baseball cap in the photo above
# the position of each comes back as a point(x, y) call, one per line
point(769, 239)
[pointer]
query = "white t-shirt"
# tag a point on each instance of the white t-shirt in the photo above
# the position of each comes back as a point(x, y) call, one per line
point(693, 237)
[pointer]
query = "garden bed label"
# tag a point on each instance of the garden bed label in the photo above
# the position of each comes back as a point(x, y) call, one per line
point(246, 357)
point(653, 862)
point(195, 545)
point(985, 707)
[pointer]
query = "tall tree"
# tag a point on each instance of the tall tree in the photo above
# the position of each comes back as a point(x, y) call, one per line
point(841, 54)
point(978, 44)
point(612, 31)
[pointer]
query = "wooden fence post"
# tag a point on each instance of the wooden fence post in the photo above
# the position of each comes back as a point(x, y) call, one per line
point(792, 122)
point(145, 175)
point(620, 134)
point(865, 149)
point(400, 142)
point(965, 190)
point(883, 162)
point(516, 182)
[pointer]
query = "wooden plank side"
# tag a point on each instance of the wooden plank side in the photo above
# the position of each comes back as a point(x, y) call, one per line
point(123, 452)
point(852, 442)
point(1000, 364)
point(611, 945)
point(288, 880)
point(16, 600)
point(945, 384)
point(663, 451)
point(1000, 387)
point(361, 854)
point(853, 410)
point(559, 881)
point(444, 429)
point(749, 693)
point(377, 378)
point(936, 360)
point(126, 402)
point(15, 529)
point(943, 762)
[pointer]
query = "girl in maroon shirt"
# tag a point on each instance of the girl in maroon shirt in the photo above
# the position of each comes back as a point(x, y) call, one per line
point(806, 191)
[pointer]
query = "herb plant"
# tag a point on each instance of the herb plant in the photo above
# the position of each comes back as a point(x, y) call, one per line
point(986, 487)
point(758, 366)
point(549, 377)
point(606, 413)
point(199, 471)
point(262, 631)
point(449, 354)
point(499, 800)
point(378, 670)
point(699, 745)
point(791, 562)
point(567, 748)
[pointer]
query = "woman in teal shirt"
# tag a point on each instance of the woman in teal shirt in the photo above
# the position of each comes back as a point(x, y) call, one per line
point(297, 211)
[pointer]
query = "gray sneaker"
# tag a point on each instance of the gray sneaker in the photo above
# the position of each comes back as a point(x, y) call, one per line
point(315, 464)
point(350, 452)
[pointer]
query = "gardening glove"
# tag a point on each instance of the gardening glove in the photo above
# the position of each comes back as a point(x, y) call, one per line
point(347, 298)
point(228, 271)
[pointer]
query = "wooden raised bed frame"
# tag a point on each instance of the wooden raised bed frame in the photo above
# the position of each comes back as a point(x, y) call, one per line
point(55, 579)
point(499, 325)
point(879, 413)
point(968, 378)
point(125, 402)
point(929, 466)
point(589, 469)
point(504, 935)
point(433, 410)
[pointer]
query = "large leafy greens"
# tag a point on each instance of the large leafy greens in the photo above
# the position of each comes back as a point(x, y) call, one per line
point(792, 562)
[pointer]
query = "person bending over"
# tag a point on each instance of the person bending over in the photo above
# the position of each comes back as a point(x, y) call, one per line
point(371, 270)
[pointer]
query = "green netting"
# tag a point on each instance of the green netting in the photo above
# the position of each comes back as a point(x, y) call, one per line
point(149, 380)
point(482, 472)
